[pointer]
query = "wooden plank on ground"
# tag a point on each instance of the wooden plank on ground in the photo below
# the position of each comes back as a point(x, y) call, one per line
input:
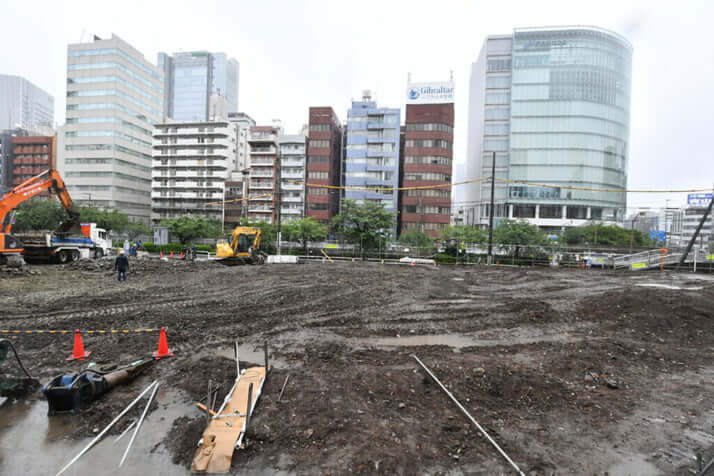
point(220, 437)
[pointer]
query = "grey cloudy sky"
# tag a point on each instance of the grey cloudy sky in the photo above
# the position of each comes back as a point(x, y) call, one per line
point(296, 54)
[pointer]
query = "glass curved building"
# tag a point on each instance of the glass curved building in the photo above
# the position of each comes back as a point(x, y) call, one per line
point(553, 105)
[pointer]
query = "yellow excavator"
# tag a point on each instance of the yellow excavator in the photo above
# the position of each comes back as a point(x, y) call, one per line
point(244, 247)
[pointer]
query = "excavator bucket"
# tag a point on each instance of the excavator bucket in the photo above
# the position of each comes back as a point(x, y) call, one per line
point(71, 225)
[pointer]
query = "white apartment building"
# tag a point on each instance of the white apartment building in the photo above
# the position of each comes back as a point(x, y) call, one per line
point(292, 169)
point(244, 123)
point(191, 163)
point(263, 176)
point(104, 151)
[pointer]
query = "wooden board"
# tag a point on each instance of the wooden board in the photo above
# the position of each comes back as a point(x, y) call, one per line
point(225, 430)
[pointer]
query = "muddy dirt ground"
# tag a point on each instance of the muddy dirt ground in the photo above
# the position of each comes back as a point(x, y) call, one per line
point(571, 372)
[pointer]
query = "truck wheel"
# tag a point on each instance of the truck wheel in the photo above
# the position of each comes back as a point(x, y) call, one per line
point(74, 255)
point(62, 256)
point(98, 253)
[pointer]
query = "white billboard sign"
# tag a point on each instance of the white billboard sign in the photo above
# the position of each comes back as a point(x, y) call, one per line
point(430, 93)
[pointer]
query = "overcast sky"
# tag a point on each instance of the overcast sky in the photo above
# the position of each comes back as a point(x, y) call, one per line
point(297, 54)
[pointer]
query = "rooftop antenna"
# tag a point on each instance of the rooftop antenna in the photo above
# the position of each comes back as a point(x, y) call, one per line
point(451, 74)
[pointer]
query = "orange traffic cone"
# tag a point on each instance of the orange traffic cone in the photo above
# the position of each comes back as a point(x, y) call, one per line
point(161, 254)
point(182, 255)
point(78, 353)
point(171, 255)
point(163, 346)
point(413, 263)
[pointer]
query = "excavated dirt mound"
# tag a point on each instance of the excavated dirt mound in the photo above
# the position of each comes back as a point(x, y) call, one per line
point(570, 372)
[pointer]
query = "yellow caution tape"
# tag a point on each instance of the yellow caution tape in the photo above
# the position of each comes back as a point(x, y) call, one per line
point(90, 331)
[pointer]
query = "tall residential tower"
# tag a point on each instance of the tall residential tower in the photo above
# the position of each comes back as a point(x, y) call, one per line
point(372, 153)
point(553, 106)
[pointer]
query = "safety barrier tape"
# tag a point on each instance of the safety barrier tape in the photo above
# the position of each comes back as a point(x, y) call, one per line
point(94, 331)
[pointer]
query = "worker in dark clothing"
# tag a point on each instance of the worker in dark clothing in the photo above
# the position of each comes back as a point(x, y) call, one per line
point(121, 265)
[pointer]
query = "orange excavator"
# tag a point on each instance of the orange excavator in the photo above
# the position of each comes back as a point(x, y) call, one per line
point(10, 247)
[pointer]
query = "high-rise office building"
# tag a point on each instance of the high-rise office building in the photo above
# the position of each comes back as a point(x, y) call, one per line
point(324, 163)
point(191, 78)
point(553, 106)
point(114, 96)
point(292, 176)
point(428, 153)
point(24, 105)
point(372, 153)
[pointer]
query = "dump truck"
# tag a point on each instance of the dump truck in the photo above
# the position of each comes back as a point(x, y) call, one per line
point(88, 241)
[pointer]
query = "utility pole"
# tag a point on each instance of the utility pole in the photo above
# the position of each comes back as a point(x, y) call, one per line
point(490, 212)
point(279, 174)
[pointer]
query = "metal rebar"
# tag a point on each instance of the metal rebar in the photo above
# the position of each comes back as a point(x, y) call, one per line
point(247, 412)
point(283, 389)
point(138, 424)
point(461, 407)
point(235, 349)
point(126, 431)
point(706, 469)
point(265, 351)
point(107, 428)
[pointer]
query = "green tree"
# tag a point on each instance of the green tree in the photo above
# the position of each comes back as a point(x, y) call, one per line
point(416, 238)
point(605, 235)
point(463, 234)
point(367, 224)
point(518, 232)
point(136, 228)
point(188, 227)
point(109, 220)
point(39, 214)
point(303, 231)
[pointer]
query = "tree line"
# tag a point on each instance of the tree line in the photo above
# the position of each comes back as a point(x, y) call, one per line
point(366, 224)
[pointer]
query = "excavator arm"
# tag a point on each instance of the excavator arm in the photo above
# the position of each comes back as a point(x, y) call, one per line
point(49, 179)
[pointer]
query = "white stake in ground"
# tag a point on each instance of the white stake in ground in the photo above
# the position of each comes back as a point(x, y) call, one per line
point(461, 407)
point(108, 427)
point(138, 424)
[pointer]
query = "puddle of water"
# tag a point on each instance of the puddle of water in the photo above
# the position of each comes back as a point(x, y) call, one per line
point(246, 353)
point(33, 443)
point(450, 340)
point(635, 465)
point(669, 286)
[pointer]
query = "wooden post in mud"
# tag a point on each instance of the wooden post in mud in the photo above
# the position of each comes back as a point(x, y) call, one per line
point(265, 351)
point(247, 411)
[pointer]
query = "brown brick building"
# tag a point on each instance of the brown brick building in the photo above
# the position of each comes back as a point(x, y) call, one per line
point(32, 155)
point(264, 172)
point(427, 160)
point(324, 163)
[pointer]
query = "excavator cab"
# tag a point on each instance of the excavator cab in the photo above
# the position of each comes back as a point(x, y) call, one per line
point(244, 247)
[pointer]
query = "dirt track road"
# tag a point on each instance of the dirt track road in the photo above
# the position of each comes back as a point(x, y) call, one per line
point(532, 353)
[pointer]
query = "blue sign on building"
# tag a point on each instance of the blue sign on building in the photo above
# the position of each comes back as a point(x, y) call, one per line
point(699, 199)
point(658, 235)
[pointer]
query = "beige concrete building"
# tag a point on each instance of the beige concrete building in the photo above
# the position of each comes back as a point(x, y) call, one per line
point(114, 96)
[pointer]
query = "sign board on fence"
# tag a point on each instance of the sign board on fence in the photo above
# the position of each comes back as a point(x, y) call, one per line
point(638, 265)
point(331, 246)
point(710, 257)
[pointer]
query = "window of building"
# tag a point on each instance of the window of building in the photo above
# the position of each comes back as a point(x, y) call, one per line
point(435, 127)
point(577, 213)
point(440, 143)
point(319, 143)
point(551, 211)
point(427, 176)
point(410, 209)
point(317, 191)
point(524, 211)
point(499, 64)
point(319, 159)
point(319, 127)
point(318, 175)
point(317, 206)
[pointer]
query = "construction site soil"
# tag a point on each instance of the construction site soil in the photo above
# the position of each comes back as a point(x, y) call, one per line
point(571, 372)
